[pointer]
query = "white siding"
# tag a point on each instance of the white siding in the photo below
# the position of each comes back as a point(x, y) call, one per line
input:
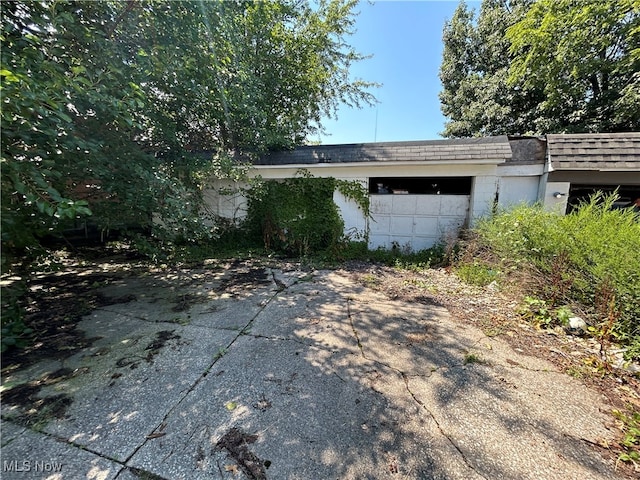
point(225, 198)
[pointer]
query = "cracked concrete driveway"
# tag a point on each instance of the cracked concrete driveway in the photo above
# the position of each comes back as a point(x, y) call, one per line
point(257, 373)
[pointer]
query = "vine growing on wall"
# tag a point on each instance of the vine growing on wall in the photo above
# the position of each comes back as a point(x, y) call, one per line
point(298, 215)
point(356, 191)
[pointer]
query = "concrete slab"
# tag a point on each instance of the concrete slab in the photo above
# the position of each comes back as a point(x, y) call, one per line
point(130, 378)
point(300, 375)
point(10, 431)
point(309, 422)
point(523, 415)
point(37, 456)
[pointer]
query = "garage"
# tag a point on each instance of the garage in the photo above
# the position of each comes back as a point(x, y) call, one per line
point(415, 213)
point(580, 165)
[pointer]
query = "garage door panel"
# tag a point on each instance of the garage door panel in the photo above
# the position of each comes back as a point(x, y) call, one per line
point(421, 243)
point(426, 225)
point(419, 221)
point(454, 205)
point(428, 205)
point(448, 226)
point(379, 241)
point(402, 241)
point(380, 204)
point(404, 204)
point(402, 225)
point(379, 224)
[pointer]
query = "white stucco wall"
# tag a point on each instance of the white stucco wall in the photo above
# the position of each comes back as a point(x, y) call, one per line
point(519, 183)
point(483, 195)
point(515, 190)
point(355, 223)
point(555, 197)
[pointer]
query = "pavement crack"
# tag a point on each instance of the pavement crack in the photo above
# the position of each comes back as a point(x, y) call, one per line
point(243, 332)
point(279, 283)
point(73, 444)
point(136, 317)
point(466, 461)
point(276, 338)
point(353, 329)
point(405, 379)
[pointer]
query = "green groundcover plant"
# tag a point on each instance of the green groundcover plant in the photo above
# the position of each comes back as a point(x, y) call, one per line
point(590, 256)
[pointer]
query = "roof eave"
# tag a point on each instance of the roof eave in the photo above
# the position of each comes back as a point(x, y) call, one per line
point(424, 163)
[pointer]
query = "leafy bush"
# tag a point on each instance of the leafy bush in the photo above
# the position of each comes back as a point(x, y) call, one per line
point(476, 273)
point(541, 314)
point(591, 256)
point(395, 257)
point(630, 424)
point(296, 215)
point(14, 332)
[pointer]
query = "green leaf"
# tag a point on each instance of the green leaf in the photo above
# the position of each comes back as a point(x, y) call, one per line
point(8, 76)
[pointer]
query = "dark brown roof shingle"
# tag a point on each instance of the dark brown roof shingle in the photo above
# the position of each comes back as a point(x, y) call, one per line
point(490, 148)
point(594, 151)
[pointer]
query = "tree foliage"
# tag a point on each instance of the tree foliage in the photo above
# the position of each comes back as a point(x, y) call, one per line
point(104, 102)
point(544, 66)
point(297, 215)
point(474, 72)
point(585, 56)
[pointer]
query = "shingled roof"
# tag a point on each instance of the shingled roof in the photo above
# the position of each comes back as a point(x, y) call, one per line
point(491, 149)
point(594, 151)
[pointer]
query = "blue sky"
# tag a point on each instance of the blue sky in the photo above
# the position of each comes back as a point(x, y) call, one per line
point(405, 39)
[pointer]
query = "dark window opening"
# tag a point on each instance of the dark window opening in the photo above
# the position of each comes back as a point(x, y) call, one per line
point(628, 195)
point(420, 185)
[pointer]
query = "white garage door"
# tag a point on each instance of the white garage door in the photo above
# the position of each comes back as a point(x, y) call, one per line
point(415, 222)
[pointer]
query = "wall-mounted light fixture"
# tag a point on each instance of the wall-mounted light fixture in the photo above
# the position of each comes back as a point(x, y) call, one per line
point(559, 194)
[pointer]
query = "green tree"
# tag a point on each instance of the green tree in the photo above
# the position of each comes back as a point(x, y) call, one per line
point(585, 56)
point(60, 104)
point(474, 71)
point(104, 103)
point(544, 66)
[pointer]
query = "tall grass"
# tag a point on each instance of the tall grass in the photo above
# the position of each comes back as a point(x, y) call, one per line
point(591, 256)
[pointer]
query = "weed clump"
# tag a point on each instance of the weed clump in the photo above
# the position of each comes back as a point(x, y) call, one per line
point(589, 258)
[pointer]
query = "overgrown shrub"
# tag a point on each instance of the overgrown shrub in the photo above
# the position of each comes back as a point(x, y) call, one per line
point(14, 333)
point(296, 215)
point(395, 257)
point(591, 256)
point(477, 273)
